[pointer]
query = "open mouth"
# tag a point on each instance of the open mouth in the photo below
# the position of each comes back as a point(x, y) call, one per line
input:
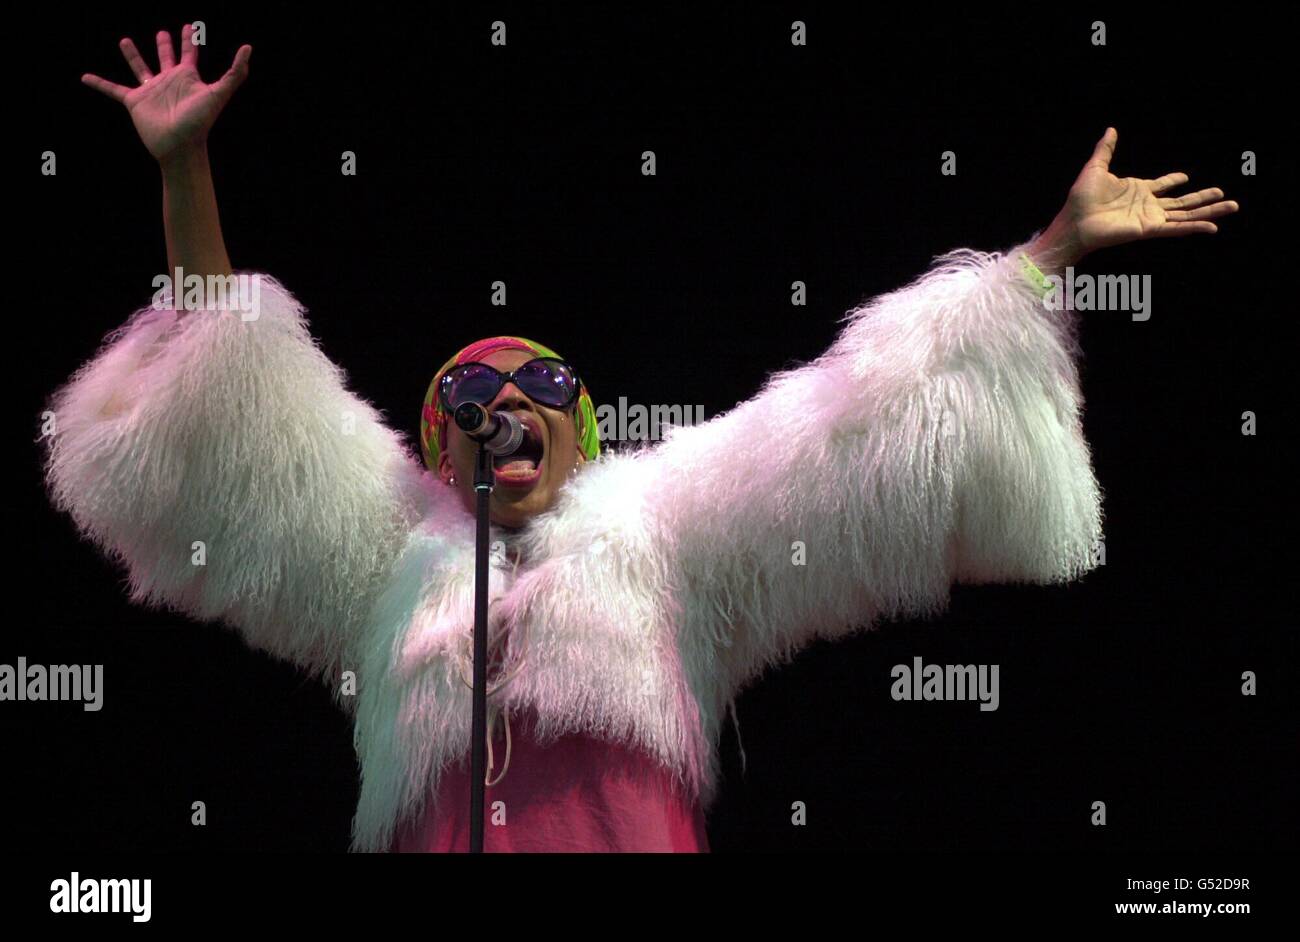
point(524, 467)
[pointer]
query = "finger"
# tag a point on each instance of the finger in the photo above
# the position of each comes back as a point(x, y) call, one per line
point(225, 86)
point(1105, 149)
point(1191, 200)
point(166, 58)
point(132, 56)
point(111, 89)
point(189, 50)
point(1184, 229)
point(1214, 211)
point(1167, 182)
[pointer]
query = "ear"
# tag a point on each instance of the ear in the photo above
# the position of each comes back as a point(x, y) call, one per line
point(445, 469)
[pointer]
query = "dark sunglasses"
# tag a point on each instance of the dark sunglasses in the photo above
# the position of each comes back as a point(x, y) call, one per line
point(545, 380)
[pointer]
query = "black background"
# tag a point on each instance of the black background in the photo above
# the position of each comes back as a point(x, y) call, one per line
point(775, 163)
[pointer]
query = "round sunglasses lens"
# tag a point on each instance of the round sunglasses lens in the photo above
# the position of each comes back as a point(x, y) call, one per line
point(549, 382)
point(472, 384)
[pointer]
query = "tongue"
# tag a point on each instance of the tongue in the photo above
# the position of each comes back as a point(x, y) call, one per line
point(518, 466)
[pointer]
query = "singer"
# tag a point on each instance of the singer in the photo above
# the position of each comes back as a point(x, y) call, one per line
point(937, 441)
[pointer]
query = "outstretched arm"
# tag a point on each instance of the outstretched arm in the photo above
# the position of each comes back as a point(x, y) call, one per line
point(173, 111)
point(221, 458)
point(938, 441)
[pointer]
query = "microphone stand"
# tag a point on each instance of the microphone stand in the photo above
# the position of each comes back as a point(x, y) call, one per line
point(483, 483)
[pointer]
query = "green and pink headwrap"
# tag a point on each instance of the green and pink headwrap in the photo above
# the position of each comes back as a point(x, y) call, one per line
point(433, 418)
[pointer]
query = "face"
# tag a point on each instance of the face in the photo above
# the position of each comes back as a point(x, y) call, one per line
point(527, 482)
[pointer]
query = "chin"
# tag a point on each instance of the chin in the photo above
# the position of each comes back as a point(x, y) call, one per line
point(517, 511)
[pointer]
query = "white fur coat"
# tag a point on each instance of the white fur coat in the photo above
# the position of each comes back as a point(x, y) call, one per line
point(937, 441)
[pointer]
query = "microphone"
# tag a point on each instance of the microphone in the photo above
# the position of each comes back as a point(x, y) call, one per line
point(501, 433)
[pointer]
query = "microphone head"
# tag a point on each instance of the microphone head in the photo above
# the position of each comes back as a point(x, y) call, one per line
point(499, 432)
point(509, 436)
point(470, 418)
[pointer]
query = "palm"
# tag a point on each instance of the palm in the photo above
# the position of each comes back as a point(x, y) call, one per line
point(1116, 209)
point(175, 107)
point(1110, 210)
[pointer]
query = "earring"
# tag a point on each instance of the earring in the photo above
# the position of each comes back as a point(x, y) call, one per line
point(451, 482)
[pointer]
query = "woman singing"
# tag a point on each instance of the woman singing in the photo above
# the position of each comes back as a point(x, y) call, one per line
point(223, 460)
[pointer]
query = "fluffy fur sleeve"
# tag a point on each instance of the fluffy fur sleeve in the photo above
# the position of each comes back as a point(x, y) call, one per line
point(238, 434)
point(937, 441)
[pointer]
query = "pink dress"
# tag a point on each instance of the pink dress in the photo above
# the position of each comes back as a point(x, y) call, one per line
point(574, 795)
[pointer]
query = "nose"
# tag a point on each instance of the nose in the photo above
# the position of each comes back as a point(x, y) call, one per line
point(511, 397)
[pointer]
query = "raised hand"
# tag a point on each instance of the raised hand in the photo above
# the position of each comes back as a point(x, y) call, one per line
point(173, 109)
point(1111, 210)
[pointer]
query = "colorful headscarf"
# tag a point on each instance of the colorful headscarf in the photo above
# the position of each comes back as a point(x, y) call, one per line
point(433, 418)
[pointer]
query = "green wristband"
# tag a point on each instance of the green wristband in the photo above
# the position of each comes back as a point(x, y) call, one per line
point(1034, 275)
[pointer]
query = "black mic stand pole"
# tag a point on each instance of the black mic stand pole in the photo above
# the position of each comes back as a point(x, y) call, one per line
point(483, 482)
